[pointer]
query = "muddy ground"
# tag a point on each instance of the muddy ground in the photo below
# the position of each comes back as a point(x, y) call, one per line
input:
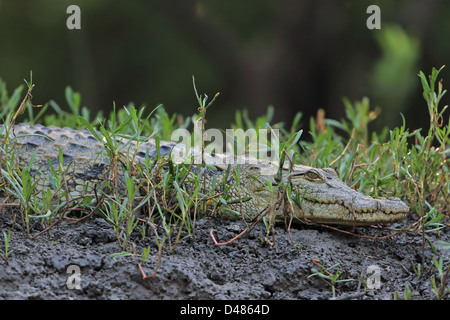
point(248, 268)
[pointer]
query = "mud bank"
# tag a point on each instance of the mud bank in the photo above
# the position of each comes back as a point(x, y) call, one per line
point(248, 268)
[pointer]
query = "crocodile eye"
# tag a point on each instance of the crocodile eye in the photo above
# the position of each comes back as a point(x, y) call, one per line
point(312, 175)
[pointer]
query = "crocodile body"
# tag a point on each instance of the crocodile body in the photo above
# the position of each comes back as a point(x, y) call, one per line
point(318, 194)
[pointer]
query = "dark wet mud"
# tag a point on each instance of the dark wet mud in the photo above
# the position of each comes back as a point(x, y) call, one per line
point(77, 262)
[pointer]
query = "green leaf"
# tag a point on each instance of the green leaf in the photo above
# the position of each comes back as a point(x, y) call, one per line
point(443, 244)
point(296, 138)
point(90, 128)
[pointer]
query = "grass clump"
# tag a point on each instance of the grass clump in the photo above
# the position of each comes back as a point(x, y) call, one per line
point(331, 275)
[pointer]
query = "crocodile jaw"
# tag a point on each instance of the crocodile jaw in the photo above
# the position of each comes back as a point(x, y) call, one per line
point(362, 212)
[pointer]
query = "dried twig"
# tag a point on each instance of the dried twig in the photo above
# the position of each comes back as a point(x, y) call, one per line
point(227, 242)
point(144, 276)
point(345, 149)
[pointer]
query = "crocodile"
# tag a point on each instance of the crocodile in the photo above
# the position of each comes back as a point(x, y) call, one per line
point(318, 195)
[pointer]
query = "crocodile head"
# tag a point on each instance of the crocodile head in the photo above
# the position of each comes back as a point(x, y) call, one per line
point(318, 195)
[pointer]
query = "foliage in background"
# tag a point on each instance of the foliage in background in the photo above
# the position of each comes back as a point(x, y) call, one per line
point(258, 53)
point(394, 69)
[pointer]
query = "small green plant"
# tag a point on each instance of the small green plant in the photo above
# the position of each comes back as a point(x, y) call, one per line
point(69, 118)
point(440, 289)
point(22, 187)
point(428, 181)
point(203, 107)
point(417, 270)
point(330, 276)
point(145, 253)
point(407, 293)
point(6, 245)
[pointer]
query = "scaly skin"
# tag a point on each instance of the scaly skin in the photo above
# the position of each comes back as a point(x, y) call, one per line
point(318, 194)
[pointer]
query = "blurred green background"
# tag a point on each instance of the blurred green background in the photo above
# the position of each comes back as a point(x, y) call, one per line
point(292, 54)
